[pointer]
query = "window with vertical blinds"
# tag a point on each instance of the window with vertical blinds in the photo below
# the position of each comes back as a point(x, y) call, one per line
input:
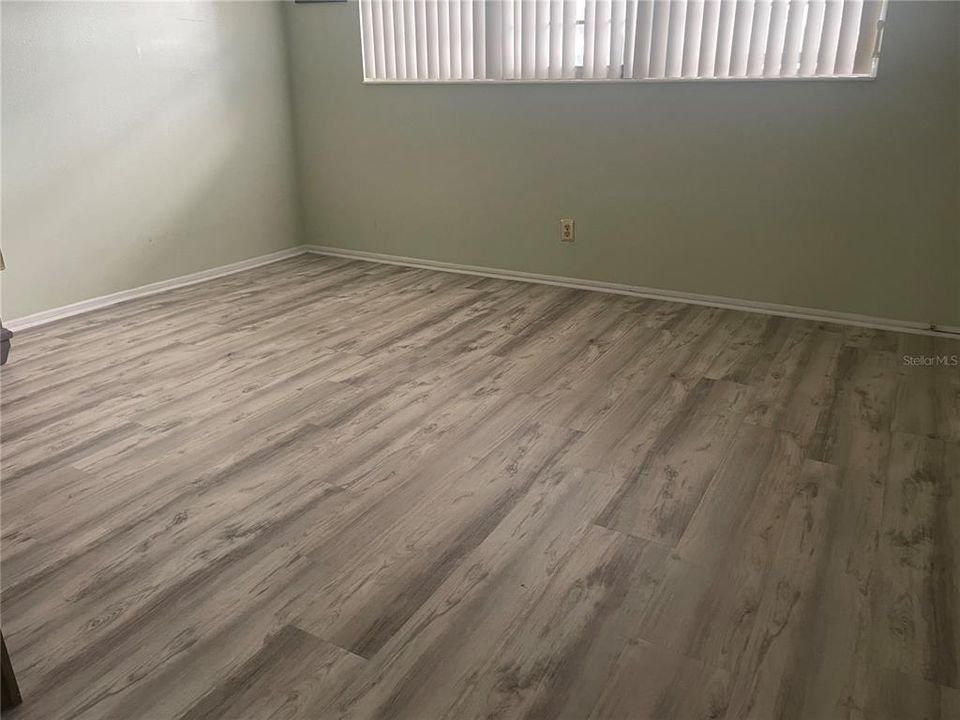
point(543, 40)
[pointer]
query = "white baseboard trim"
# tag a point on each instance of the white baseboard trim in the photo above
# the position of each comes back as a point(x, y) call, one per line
point(47, 316)
point(803, 313)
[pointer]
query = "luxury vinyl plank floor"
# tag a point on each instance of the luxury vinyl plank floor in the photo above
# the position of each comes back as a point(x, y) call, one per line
point(327, 488)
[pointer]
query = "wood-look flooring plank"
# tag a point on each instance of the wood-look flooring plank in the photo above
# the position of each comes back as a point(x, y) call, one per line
point(370, 589)
point(799, 384)
point(738, 357)
point(747, 496)
point(866, 386)
point(917, 594)
point(162, 659)
point(652, 683)
point(172, 466)
point(897, 696)
point(433, 662)
point(778, 641)
point(587, 399)
point(291, 672)
point(659, 499)
point(707, 604)
point(833, 675)
point(701, 341)
point(554, 660)
point(870, 339)
point(620, 439)
point(548, 368)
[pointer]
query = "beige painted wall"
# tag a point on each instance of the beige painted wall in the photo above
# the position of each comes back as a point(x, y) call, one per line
point(833, 195)
point(140, 142)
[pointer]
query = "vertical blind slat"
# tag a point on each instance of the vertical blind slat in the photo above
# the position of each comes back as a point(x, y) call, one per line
point(589, 38)
point(659, 38)
point(528, 46)
point(811, 38)
point(492, 27)
point(508, 31)
point(725, 33)
point(390, 60)
point(849, 31)
point(380, 63)
point(793, 38)
point(675, 37)
point(693, 39)
point(517, 39)
point(776, 38)
point(479, 39)
point(601, 39)
point(708, 38)
point(433, 44)
point(640, 39)
point(569, 39)
point(466, 38)
point(542, 42)
point(742, 34)
point(618, 14)
point(866, 42)
point(443, 38)
point(758, 38)
point(456, 58)
point(366, 38)
point(400, 45)
point(410, 33)
point(420, 20)
point(555, 64)
point(522, 50)
point(830, 38)
point(629, 37)
point(643, 39)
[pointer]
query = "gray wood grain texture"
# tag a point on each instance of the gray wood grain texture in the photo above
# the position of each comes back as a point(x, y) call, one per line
point(334, 489)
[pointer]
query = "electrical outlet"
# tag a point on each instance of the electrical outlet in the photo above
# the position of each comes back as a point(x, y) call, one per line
point(568, 232)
